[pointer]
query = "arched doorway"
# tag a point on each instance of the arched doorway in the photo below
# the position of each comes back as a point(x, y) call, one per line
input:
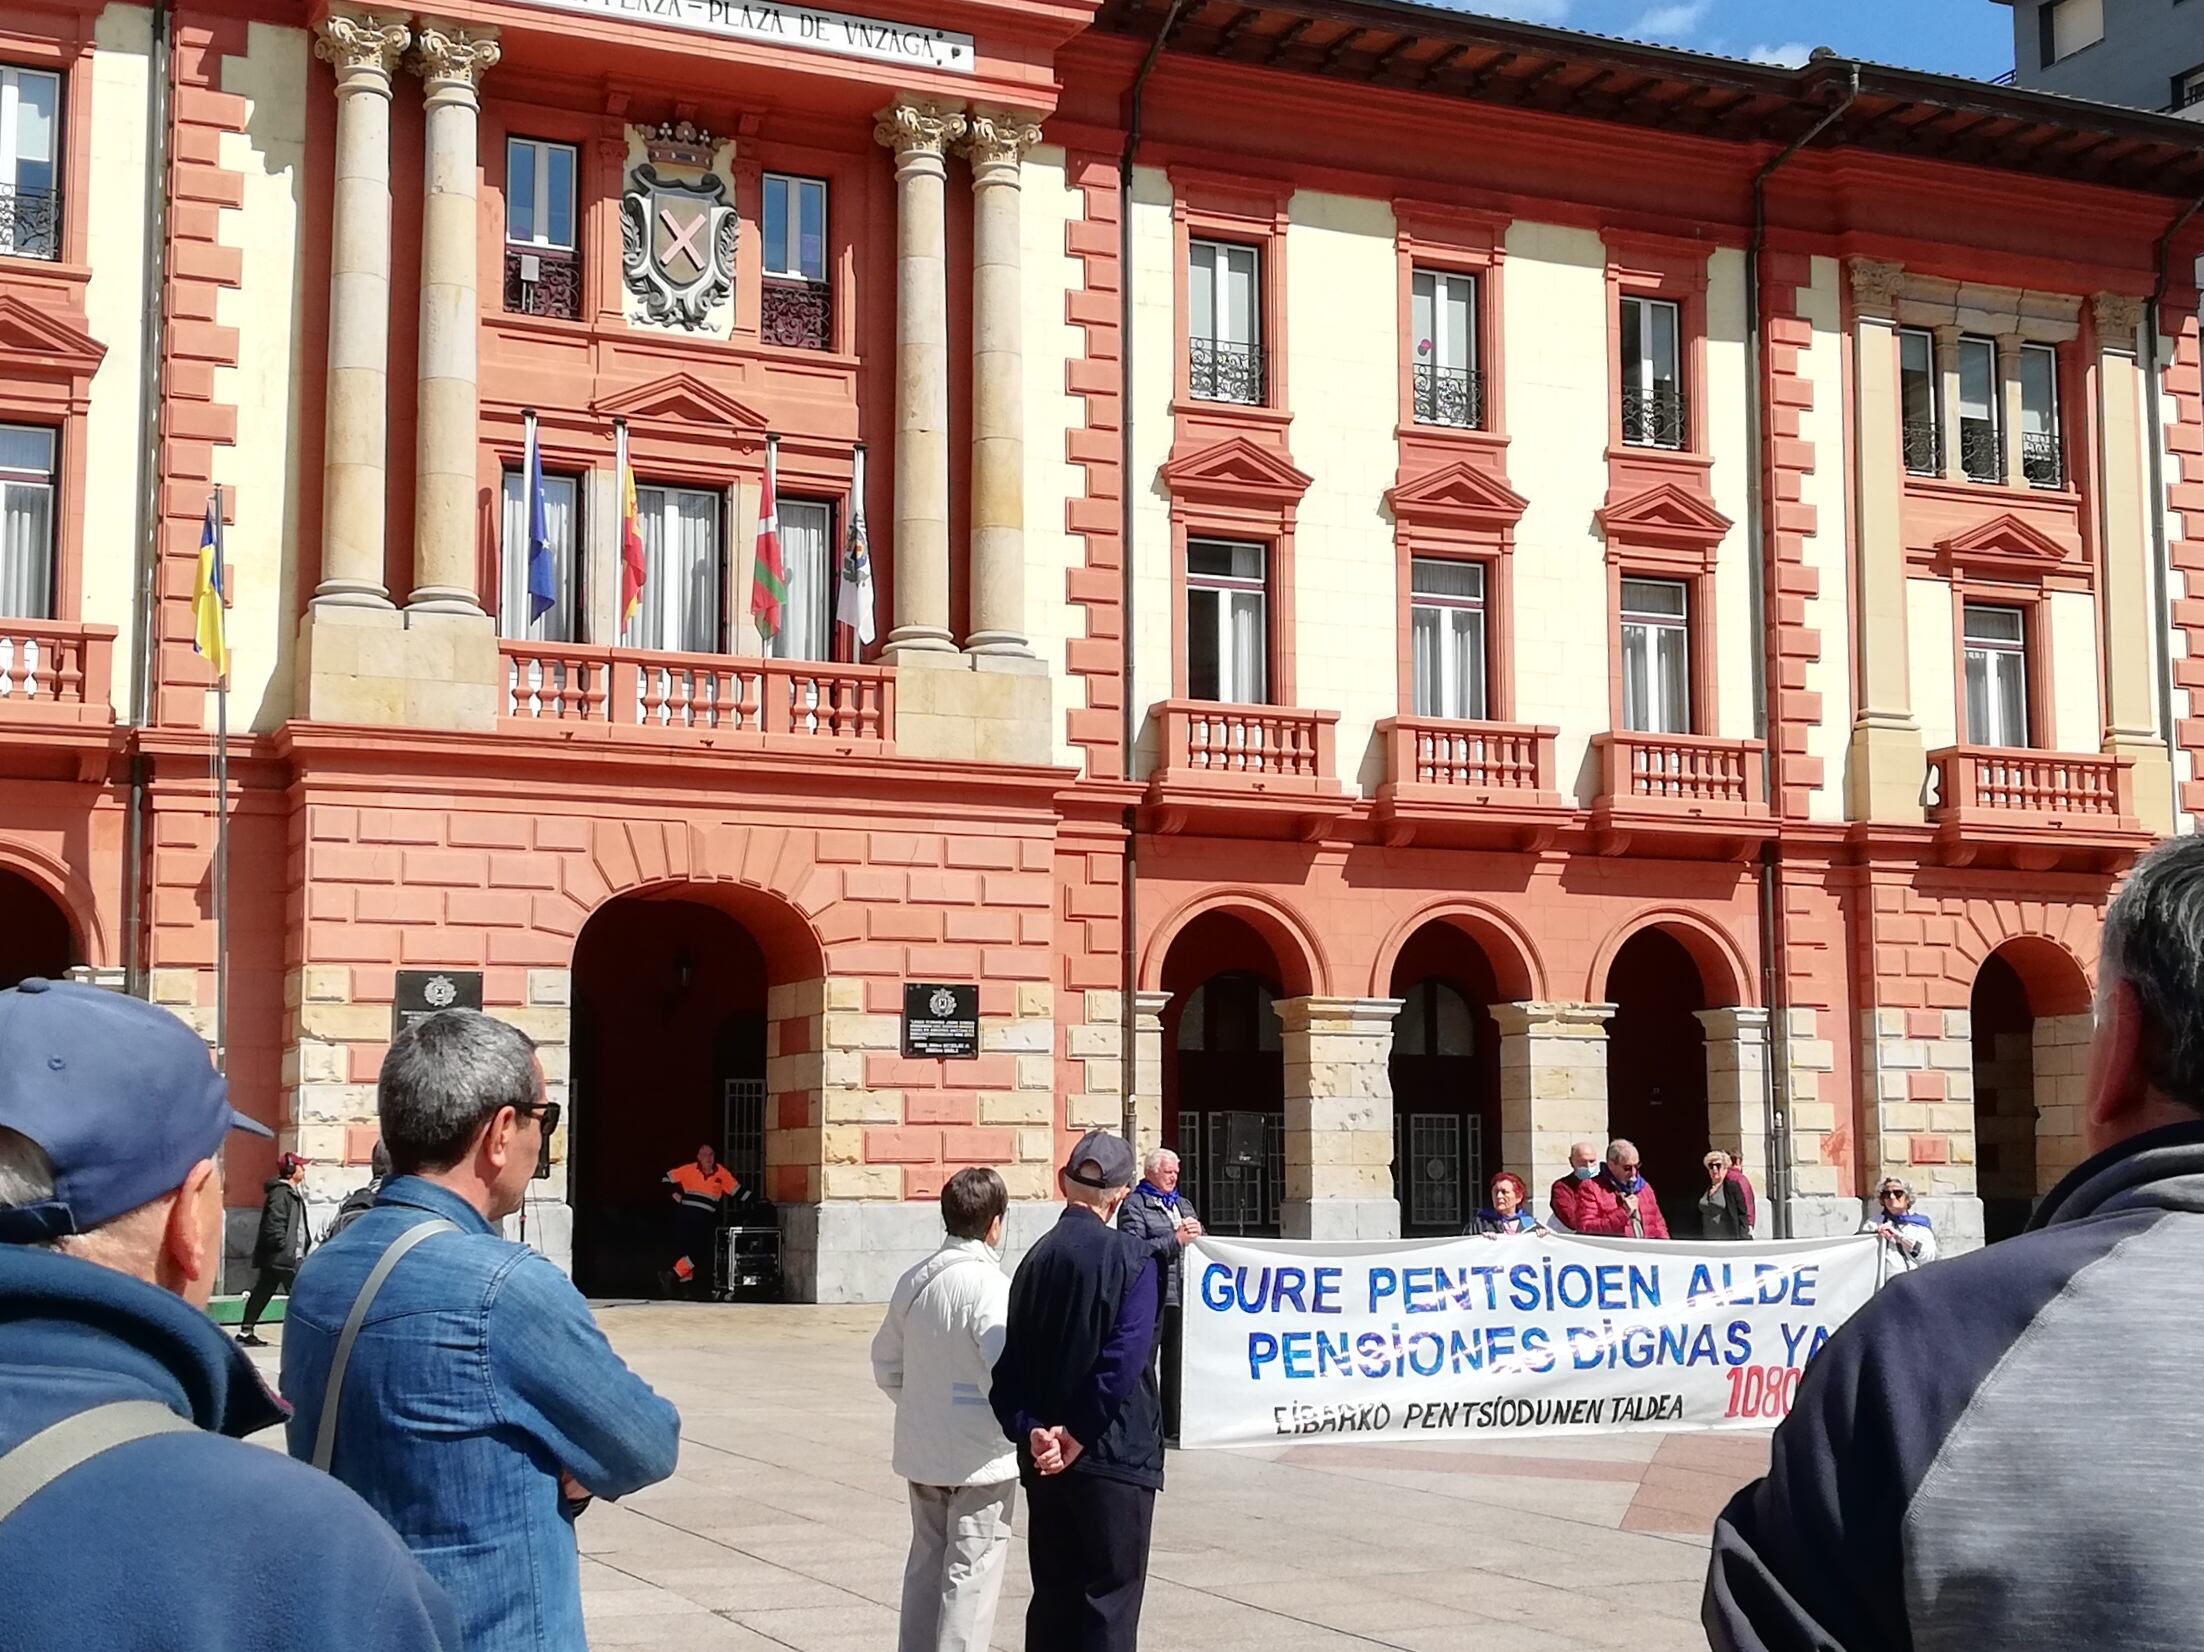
point(669, 1048)
point(1657, 1068)
point(1445, 1072)
point(35, 937)
point(2028, 1016)
point(1224, 1074)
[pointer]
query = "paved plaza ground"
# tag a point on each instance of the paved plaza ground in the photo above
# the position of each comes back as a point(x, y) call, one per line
point(785, 1529)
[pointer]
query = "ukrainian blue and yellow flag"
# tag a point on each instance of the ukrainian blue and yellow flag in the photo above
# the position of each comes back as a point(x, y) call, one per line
point(209, 595)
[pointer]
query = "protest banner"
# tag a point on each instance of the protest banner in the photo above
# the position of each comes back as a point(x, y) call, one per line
point(1482, 1338)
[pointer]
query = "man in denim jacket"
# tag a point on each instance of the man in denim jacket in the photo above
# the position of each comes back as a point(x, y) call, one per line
point(482, 1407)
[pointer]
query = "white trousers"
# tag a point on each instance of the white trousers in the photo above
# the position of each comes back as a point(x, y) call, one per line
point(960, 1536)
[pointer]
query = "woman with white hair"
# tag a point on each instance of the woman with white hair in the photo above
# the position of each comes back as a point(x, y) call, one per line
point(1154, 1214)
point(1909, 1239)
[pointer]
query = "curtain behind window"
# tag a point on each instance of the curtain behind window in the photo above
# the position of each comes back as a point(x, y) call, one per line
point(807, 552)
point(26, 523)
point(556, 623)
point(680, 612)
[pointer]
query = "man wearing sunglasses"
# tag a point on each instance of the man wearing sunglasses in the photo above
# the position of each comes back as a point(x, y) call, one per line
point(456, 1381)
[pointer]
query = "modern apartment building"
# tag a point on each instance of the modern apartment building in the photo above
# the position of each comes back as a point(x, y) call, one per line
point(1443, 587)
point(2148, 53)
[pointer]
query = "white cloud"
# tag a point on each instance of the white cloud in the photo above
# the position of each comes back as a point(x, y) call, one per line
point(1790, 54)
point(1662, 22)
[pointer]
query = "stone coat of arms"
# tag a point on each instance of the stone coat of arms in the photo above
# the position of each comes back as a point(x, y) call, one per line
point(678, 229)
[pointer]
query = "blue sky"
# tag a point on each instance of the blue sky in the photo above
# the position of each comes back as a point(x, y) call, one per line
point(1961, 37)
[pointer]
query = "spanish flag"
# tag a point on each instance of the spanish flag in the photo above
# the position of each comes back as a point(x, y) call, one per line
point(210, 595)
point(632, 567)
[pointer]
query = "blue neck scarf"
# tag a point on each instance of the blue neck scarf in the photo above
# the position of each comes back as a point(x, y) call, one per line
point(1169, 1200)
point(1520, 1221)
point(1636, 1184)
point(1907, 1219)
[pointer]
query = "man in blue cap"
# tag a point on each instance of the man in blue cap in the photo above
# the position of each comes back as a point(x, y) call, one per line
point(1075, 1390)
point(127, 1521)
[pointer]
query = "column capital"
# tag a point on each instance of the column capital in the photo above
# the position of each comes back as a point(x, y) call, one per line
point(1875, 286)
point(363, 48)
point(2117, 317)
point(917, 127)
point(1552, 1020)
point(995, 141)
point(2008, 348)
point(1743, 1022)
point(1948, 334)
point(453, 57)
point(1351, 1016)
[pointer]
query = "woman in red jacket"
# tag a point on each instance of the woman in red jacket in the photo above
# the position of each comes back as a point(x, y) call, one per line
point(1619, 1203)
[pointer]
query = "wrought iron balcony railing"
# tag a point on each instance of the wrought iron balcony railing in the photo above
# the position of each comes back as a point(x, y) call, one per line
point(543, 281)
point(1981, 455)
point(1450, 395)
point(2042, 462)
point(1653, 418)
point(1217, 371)
point(796, 314)
point(30, 222)
point(1924, 447)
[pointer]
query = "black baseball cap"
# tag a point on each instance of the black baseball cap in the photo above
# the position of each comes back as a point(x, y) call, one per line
point(122, 1097)
point(1100, 1160)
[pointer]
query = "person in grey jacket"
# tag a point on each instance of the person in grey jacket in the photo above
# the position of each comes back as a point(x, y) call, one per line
point(1987, 1454)
point(1154, 1214)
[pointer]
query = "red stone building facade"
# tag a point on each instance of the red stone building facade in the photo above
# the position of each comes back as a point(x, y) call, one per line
point(1443, 588)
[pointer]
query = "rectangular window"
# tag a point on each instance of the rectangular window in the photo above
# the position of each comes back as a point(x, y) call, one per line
point(1917, 397)
point(1997, 675)
point(2040, 456)
point(2069, 25)
point(539, 194)
point(1443, 323)
point(2188, 89)
point(1224, 323)
point(795, 227)
point(26, 522)
point(1652, 383)
point(807, 552)
point(684, 572)
point(1447, 626)
point(516, 616)
point(1227, 621)
point(1981, 450)
point(1656, 656)
point(30, 180)
point(795, 307)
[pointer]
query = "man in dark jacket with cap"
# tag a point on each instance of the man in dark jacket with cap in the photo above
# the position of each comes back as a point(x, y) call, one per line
point(1075, 1389)
point(127, 1522)
point(1988, 1455)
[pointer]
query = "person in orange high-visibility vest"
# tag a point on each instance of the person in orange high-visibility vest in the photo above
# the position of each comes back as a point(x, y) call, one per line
point(697, 1190)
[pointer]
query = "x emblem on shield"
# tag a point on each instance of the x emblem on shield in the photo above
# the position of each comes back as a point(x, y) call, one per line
point(680, 249)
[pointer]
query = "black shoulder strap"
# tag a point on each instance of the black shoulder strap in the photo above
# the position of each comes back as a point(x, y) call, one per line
point(325, 1436)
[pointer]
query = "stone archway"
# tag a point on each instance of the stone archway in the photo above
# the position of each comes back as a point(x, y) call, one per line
point(2029, 1025)
point(36, 935)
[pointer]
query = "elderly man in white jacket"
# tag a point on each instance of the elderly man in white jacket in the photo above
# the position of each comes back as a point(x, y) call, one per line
point(935, 1356)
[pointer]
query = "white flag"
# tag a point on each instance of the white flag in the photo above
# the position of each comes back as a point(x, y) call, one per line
point(853, 594)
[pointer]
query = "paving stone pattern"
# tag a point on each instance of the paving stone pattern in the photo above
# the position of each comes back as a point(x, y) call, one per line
point(784, 1527)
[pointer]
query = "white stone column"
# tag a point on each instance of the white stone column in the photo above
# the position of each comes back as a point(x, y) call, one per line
point(1553, 1087)
point(1947, 373)
point(2014, 457)
point(1884, 768)
point(996, 143)
point(1147, 1068)
point(451, 61)
point(1737, 1094)
point(363, 49)
point(920, 134)
point(1339, 1118)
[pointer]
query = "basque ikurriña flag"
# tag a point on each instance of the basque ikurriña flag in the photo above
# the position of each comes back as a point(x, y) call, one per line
point(853, 593)
point(210, 595)
point(543, 573)
point(769, 575)
point(631, 539)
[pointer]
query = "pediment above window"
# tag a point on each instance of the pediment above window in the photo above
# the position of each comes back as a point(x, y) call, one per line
point(1458, 495)
point(1665, 518)
point(2004, 545)
point(679, 399)
point(1236, 471)
point(45, 349)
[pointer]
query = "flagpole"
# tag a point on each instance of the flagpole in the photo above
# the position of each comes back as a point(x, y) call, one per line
point(221, 827)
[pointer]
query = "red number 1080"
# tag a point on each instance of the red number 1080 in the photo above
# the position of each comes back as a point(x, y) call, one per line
point(1762, 1390)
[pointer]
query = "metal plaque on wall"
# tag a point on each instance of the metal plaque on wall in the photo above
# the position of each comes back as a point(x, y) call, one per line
point(941, 1019)
point(422, 992)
